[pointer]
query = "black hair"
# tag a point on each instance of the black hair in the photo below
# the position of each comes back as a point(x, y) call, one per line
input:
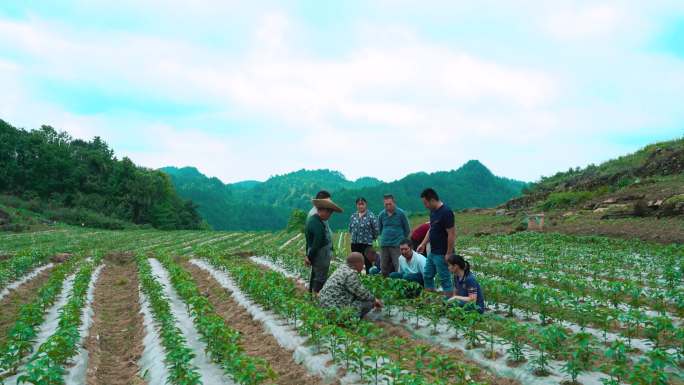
point(361, 199)
point(323, 194)
point(388, 196)
point(368, 250)
point(406, 241)
point(455, 259)
point(429, 194)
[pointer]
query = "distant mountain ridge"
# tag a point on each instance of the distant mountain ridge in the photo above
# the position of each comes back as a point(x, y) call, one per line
point(252, 205)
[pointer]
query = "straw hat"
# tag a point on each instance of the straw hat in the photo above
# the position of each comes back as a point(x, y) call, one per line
point(326, 203)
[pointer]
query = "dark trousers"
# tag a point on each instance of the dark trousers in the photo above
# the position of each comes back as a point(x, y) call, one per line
point(361, 248)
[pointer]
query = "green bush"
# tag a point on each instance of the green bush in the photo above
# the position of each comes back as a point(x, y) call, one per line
point(87, 218)
point(297, 221)
point(567, 199)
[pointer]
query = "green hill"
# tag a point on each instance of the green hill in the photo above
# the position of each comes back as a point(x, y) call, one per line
point(647, 182)
point(81, 182)
point(267, 205)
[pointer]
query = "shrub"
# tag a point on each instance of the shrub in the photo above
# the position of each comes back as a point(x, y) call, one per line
point(561, 200)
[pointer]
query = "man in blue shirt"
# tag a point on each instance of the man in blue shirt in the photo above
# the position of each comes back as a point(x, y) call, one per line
point(393, 227)
point(442, 236)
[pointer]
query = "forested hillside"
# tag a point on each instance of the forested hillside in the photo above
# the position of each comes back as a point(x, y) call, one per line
point(267, 205)
point(82, 182)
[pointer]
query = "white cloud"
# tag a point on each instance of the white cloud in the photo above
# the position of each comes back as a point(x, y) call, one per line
point(439, 103)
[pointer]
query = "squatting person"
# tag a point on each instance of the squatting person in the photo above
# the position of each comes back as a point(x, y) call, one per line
point(467, 290)
point(319, 242)
point(411, 264)
point(344, 288)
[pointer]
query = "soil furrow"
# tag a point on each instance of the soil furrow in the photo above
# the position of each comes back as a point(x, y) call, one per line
point(18, 297)
point(255, 340)
point(115, 340)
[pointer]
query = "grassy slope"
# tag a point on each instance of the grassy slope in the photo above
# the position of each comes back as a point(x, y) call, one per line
point(574, 202)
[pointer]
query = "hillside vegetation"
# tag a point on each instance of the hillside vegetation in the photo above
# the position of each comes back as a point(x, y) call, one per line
point(638, 195)
point(267, 205)
point(82, 182)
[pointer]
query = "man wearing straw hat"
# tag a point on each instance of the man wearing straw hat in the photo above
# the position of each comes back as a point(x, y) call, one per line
point(319, 242)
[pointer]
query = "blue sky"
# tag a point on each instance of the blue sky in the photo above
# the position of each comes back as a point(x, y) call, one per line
point(245, 90)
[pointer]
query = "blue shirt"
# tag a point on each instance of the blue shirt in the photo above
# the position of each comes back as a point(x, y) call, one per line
point(467, 286)
point(440, 220)
point(393, 228)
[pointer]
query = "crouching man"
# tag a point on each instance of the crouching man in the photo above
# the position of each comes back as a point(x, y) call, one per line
point(344, 288)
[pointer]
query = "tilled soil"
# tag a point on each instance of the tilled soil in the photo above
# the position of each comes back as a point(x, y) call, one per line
point(392, 330)
point(13, 301)
point(483, 376)
point(255, 340)
point(115, 340)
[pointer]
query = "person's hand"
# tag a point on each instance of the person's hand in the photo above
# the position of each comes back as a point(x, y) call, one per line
point(307, 262)
point(446, 257)
point(377, 304)
point(421, 248)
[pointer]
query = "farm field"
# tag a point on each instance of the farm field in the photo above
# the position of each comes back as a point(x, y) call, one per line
point(86, 306)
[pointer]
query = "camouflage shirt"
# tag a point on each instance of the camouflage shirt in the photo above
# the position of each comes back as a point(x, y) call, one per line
point(344, 288)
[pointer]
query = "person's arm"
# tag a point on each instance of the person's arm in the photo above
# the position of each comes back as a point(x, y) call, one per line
point(423, 244)
point(359, 291)
point(451, 233)
point(405, 224)
point(317, 234)
point(380, 223)
point(374, 224)
point(451, 239)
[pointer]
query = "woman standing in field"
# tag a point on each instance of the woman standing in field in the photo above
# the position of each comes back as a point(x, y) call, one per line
point(363, 227)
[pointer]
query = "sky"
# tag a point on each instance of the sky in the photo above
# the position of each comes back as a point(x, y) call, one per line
point(250, 89)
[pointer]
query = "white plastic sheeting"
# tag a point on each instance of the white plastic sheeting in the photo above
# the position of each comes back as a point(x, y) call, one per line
point(49, 325)
point(76, 374)
point(281, 331)
point(152, 366)
point(14, 285)
point(284, 245)
point(210, 372)
point(499, 367)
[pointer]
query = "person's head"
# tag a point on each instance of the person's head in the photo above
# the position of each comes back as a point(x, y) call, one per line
point(324, 213)
point(388, 201)
point(458, 265)
point(430, 198)
point(405, 248)
point(323, 194)
point(355, 261)
point(371, 254)
point(361, 205)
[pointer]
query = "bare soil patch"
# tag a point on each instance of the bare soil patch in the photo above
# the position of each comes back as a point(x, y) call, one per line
point(13, 301)
point(115, 340)
point(255, 340)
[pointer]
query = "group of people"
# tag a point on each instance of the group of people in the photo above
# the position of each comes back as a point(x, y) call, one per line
point(417, 256)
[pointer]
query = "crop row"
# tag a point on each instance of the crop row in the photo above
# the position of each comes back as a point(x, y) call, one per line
point(178, 355)
point(21, 336)
point(16, 266)
point(46, 365)
point(355, 345)
point(223, 342)
point(552, 340)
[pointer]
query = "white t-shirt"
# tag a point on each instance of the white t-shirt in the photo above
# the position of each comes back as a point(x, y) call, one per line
point(416, 265)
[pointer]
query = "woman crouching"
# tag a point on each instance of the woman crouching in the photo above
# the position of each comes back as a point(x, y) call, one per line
point(467, 290)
